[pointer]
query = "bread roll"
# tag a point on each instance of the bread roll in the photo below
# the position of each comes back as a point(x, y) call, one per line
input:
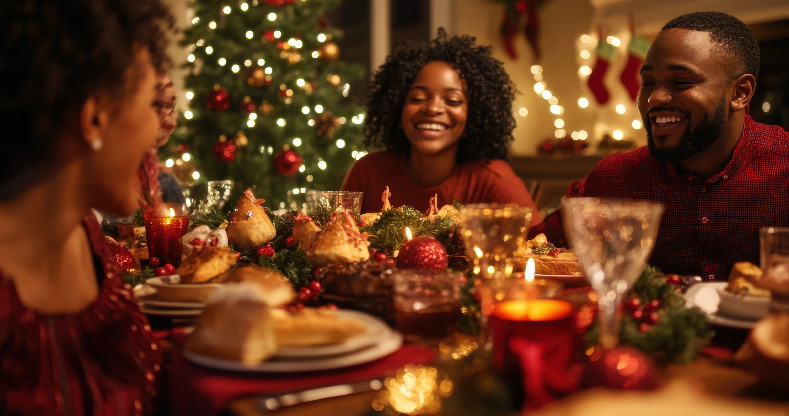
point(235, 325)
point(311, 326)
point(277, 289)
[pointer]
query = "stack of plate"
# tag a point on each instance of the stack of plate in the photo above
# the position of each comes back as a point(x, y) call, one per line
point(377, 341)
point(167, 297)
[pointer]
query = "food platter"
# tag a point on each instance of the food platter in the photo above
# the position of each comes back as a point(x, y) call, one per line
point(376, 342)
point(374, 329)
point(707, 298)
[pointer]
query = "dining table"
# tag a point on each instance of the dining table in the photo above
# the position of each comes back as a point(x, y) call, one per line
point(195, 389)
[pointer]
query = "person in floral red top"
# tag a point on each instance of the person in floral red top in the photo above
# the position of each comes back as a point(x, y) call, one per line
point(77, 92)
point(719, 174)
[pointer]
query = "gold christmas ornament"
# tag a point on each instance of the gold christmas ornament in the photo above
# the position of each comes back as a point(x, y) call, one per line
point(256, 76)
point(329, 51)
point(266, 107)
point(241, 139)
point(325, 125)
point(333, 79)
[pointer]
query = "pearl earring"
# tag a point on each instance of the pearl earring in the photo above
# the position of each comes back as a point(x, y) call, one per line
point(96, 144)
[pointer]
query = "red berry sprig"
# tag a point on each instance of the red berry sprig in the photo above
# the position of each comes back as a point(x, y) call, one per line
point(646, 315)
point(266, 250)
point(290, 241)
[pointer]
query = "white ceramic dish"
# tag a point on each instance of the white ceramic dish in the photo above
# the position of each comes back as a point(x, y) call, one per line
point(168, 312)
point(147, 294)
point(706, 297)
point(742, 306)
point(170, 289)
point(374, 330)
point(388, 343)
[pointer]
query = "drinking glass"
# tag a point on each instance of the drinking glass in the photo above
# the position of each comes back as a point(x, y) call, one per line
point(334, 200)
point(201, 197)
point(612, 239)
point(492, 233)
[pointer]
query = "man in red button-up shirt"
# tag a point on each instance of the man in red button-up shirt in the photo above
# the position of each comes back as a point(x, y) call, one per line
point(719, 174)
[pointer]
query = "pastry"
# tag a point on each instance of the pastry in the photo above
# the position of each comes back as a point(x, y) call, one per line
point(339, 242)
point(205, 264)
point(309, 326)
point(304, 231)
point(236, 325)
point(744, 280)
point(250, 226)
point(277, 290)
point(548, 259)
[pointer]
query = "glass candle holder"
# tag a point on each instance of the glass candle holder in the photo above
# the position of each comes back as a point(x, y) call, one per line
point(427, 304)
point(164, 227)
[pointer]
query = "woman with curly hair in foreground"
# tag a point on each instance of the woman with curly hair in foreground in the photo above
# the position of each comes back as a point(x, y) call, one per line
point(443, 113)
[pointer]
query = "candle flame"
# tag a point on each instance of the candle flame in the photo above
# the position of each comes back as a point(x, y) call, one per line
point(408, 235)
point(529, 274)
point(172, 213)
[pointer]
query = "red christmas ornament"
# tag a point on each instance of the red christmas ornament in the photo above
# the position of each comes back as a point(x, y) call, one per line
point(287, 161)
point(224, 150)
point(279, 2)
point(423, 253)
point(218, 100)
point(622, 368)
point(123, 257)
point(269, 35)
point(248, 106)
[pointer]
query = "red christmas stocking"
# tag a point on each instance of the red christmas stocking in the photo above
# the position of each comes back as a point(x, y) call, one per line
point(636, 51)
point(509, 27)
point(605, 52)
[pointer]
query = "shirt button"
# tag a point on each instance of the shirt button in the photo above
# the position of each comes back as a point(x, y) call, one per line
point(703, 189)
point(704, 220)
point(711, 277)
point(725, 176)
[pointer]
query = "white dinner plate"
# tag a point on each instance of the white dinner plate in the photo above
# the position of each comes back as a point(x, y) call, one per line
point(388, 343)
point(569, 280)
point(374, 330)
point(169, 312)
point(706, 297)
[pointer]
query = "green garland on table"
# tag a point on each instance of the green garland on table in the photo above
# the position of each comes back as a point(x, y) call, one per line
point(134, 279)
point(292, 263)
point(387, 232)
point(679, 335)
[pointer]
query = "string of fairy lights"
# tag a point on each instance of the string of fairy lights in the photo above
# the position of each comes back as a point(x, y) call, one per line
point(584, 46)
point(292, 51)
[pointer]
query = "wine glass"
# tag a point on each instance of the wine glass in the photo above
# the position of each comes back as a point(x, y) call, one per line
point(492, 233)
point(203, 197)
point(612, 239)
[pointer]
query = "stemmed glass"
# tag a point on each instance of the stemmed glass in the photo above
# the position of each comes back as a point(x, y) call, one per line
point(492, 233)
point(612, 239)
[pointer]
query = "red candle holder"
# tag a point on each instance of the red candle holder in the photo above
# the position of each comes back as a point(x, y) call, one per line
point(534, 344)
point(164, 227)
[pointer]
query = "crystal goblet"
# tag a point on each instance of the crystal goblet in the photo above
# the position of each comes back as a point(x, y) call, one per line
point(203, 197)
point(612, 239)
point(492, 233)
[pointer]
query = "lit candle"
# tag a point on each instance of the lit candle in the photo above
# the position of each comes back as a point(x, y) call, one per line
point(163, 232)
point(536, 320)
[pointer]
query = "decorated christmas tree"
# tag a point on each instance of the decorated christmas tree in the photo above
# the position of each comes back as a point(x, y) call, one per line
point(269, 102)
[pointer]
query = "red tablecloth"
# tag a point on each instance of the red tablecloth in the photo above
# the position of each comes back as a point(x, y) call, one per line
point(197, 390)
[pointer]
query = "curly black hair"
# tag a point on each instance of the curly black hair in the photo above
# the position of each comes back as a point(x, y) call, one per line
point(56, 54)
point(490, 93)
point(729, 32)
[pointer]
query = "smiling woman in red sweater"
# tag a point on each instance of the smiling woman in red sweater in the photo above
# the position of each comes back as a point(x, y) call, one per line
point(443, 113)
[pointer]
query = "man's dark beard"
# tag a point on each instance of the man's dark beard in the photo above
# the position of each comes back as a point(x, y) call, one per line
point(693, 141)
